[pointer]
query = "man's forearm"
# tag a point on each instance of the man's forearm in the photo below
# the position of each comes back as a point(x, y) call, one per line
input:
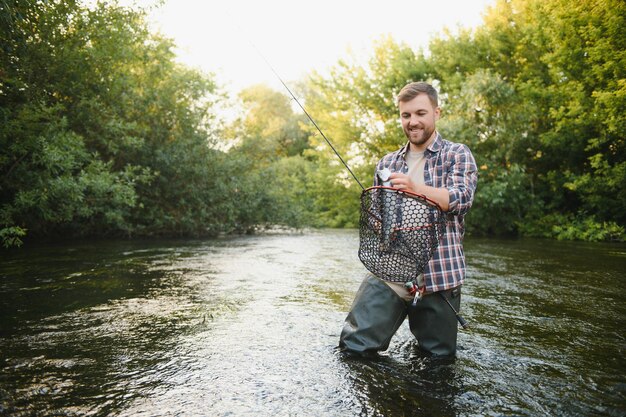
point(440, 196)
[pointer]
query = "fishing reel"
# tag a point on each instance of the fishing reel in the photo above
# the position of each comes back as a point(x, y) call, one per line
point(410, 287)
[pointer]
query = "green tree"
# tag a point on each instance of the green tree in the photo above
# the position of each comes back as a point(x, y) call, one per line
point(537, 92)
point(49, 175)
point(267, 143)
point(487, 115)
point(103, 132)
point(563, 61)
point(267, 128)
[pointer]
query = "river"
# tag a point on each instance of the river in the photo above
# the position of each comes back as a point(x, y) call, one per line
point(247, 326)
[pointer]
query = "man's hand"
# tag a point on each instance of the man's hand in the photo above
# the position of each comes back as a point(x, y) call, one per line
point(439, 195)
point(402, 182)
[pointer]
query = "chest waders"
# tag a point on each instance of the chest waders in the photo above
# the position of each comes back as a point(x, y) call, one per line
point(377, 312)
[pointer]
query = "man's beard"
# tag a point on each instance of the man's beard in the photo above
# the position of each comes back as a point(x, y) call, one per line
point(421, 138)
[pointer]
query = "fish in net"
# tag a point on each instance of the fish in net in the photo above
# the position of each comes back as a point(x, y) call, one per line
point(399, 231)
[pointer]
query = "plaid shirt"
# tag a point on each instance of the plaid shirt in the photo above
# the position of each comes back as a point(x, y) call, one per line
point(449, 165)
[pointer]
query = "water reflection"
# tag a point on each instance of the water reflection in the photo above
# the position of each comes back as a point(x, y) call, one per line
point(411, 384)
point(249, 326)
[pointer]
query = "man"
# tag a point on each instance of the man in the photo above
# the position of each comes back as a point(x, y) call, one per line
point(442, 171)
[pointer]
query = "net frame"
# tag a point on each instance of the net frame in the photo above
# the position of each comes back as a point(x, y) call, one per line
point(399, 231)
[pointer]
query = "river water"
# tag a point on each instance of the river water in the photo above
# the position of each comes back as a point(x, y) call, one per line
point(247, 326)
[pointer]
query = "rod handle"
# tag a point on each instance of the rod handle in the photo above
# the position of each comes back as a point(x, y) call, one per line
point(460, 319)
point(462, 322)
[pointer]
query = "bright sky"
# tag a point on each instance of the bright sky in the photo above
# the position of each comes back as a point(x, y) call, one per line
point(295, 36)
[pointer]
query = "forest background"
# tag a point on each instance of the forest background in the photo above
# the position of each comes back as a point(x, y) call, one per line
point(104, 134)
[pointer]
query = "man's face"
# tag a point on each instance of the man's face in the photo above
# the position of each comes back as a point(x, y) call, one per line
point(418, 118)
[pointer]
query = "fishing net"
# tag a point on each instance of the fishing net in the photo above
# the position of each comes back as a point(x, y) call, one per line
point(399, 232)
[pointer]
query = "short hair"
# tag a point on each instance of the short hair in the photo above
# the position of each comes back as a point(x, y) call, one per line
point(412, 90)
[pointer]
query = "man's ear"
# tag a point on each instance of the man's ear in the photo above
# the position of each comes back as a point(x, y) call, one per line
point(437, 113)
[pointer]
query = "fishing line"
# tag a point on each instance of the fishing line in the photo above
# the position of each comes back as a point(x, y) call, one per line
point(258, 51)
point(306, 113)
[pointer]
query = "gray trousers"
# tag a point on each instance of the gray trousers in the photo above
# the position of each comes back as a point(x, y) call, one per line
point(377, 312)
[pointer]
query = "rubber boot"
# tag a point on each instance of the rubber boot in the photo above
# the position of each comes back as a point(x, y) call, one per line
point(376, 314)
point(434, 324)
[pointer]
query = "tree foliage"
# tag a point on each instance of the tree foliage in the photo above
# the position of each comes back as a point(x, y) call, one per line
point(268, 142)
point(560, 61)
point(537, 92)
point(103, 133)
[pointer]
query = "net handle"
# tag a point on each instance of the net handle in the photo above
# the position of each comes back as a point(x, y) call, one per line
point(408, 192)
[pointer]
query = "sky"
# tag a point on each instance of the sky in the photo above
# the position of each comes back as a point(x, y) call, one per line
point(233, 38)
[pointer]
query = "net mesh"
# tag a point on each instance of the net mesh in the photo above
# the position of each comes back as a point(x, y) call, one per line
point(399, 232)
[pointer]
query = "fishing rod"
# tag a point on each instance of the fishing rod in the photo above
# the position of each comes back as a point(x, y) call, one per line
point(308, 115)
point(460, 319)
point(295, 98)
